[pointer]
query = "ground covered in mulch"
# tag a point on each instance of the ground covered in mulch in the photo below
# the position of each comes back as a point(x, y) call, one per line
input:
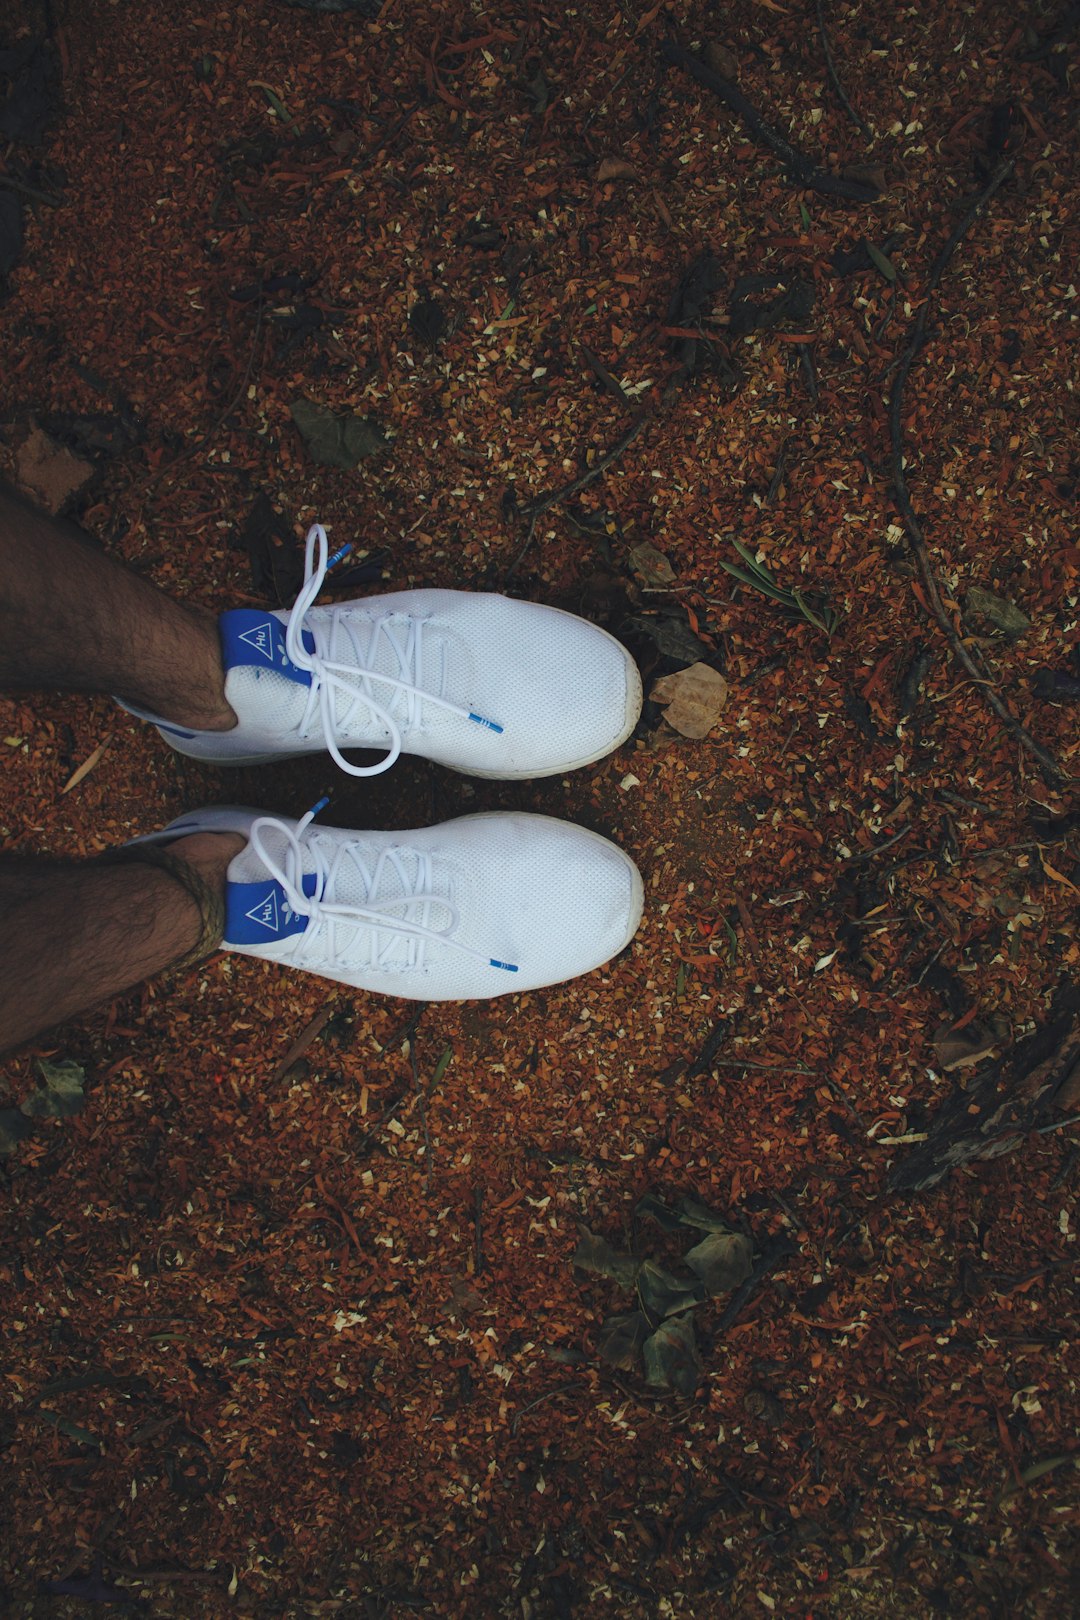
point(301, 1333)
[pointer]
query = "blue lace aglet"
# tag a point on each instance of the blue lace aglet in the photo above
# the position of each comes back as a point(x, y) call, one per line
point(343, 551)
point(478, 719)
point(507, 967)
point(315, 809)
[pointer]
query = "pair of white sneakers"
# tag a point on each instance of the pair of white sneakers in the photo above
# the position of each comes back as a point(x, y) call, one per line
point(479, 906)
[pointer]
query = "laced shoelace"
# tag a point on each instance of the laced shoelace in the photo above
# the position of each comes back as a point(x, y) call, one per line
point(332, 929)
point(331, 678)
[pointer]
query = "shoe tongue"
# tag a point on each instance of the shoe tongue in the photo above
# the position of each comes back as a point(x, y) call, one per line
point(373, 652)
point(254, 653)
point(257, 910)
point(260, 913)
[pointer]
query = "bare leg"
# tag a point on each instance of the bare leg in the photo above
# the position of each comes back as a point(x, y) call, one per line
point(73, 619)
point(73, 934)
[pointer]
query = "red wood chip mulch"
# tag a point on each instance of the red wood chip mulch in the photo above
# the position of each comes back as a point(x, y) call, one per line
point(301, 1334)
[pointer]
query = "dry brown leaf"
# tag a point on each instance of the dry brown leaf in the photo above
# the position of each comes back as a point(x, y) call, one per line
point(48, 472)
point(616, 169)
point(650, 565)
point(694, 699)
point(721, 60)
point(86, 767)
point(1058, 877)
point(960, 1048)
point(867, 174)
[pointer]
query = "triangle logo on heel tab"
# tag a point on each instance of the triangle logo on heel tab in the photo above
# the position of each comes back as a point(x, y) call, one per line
point(260, 913)
point(260, 636)
point(254, 639)
point(265, 914)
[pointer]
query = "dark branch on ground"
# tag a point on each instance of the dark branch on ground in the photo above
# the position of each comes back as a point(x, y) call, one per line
point(1003, 1104)
point(534, 510)
point(799, 166)
point(916, 538)
point(24, 190)
point(834, 77)
point(780, 1248)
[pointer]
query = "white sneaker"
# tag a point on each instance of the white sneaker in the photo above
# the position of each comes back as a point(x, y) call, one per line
point(478, 907)
point(482, 683)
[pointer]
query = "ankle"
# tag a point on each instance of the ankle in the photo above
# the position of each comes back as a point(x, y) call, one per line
point(202, 705)
point(209, 854)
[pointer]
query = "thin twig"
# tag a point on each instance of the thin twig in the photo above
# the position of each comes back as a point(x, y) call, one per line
point(534, 510)
point(1059, 1125)
point(548, 1395)
point(211, 434)
point(308, 1034)
point(747, 1063)
point(24, 190)
point(834, 77)
point(612, 384)
point(478, 1231)
point(879, 849)
point(421, 1098)
point(916, 538)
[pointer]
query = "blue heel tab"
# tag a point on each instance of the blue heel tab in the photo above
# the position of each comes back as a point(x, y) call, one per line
point(259, 913)
point(257, 640)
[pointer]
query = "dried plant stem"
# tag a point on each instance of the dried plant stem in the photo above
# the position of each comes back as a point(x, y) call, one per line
point(834, 77)
point(543, 503)
point(24, 190)
point(916, 538)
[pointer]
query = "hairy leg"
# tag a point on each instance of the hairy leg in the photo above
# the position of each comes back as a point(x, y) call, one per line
point(73, 619)
point(73, 934)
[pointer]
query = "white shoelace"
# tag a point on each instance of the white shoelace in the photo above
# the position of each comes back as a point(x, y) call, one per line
point(332, 930)
point(357, 638)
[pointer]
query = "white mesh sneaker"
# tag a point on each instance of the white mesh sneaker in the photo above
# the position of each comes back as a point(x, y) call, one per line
point(484, 684)
point(478, 907)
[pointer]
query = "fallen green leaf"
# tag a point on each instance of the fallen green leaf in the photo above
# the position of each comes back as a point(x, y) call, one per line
point(671, 1356)
point(595, 1255)
point(658, 1211)
point(882, 263)
point(620, 1340)
point(72, 1430)
point(661, 1294)
point(62, 1094)
point(442, 1065)
point(722, 1261)
point(279, 107)
point(336, 441)
point(669, 635)
point(13, 1130)
point(1003, 614)
point(650, 565)
point(691, 1213)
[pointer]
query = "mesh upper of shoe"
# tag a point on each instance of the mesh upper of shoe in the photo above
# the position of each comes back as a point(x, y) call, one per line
point(554, 683)
point(543, 894)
